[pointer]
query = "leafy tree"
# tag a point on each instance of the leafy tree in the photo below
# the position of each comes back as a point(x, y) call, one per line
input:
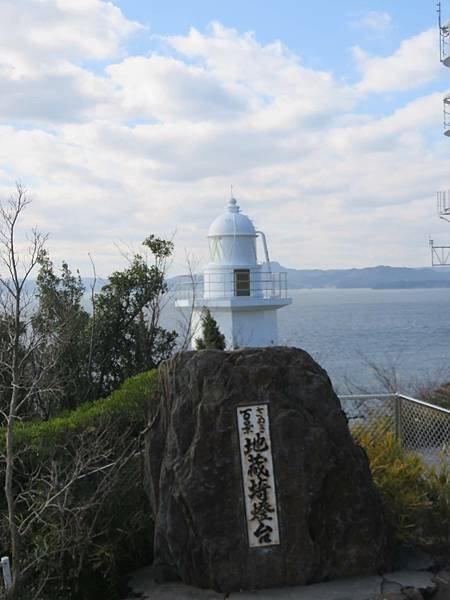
point(63, 323)
point(128, 338)
point(93, 352)
point(212, 338)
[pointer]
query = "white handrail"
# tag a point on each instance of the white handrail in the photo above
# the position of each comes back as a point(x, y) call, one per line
point(397, 395)
point(423, 403)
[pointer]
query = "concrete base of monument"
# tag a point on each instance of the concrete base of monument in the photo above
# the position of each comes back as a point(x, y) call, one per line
point(400, 585)
point(254, 478)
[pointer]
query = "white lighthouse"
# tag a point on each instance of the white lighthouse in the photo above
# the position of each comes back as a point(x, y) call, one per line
point(242, 294)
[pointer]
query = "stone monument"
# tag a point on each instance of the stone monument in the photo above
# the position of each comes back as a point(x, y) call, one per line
point(254, 478)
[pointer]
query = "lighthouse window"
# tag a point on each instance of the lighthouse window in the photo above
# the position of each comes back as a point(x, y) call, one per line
point(215, 249)
point(242, 282)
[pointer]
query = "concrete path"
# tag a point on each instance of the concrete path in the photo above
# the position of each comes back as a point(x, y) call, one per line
point(389, 586)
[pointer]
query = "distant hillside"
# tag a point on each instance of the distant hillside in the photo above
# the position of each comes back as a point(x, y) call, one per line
point(381, 277)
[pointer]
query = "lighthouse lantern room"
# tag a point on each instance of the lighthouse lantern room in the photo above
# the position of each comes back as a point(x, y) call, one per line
point(241, 293)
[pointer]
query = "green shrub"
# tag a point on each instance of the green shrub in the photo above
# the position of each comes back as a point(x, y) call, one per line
point(416, 496)
point(438, 481)
point(211, 335)
point(98, 521)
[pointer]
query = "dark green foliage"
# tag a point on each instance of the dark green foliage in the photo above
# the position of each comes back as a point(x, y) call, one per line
point(99, 523)
point(127, 404)
point(79, 354)
point(64, 325)
point(127, 337)
point(211, 336)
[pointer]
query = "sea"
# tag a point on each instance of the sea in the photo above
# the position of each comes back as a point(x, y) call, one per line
point(368, 340)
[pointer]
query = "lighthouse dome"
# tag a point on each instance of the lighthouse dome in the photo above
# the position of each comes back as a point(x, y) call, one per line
point(232, 223)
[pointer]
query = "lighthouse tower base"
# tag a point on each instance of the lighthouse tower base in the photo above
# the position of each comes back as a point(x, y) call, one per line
point(246, 325)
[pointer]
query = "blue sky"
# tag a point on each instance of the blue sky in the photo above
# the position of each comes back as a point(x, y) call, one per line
point(321, 33)
point(127, 118)
point(316, 30)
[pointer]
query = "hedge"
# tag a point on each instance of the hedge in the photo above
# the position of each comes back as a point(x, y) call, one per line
point(128, 403)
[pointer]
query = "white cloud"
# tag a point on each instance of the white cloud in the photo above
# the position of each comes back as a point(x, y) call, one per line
point(373, 21)
point(414, 64)
point(152, 142)
point(261, 74)
point(163, 88)
point(43, 44)
point(39, 34)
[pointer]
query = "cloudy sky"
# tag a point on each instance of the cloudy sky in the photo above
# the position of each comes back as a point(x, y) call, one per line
point(128, 118)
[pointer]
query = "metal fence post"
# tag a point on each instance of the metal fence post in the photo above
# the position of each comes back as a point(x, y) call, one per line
point(398, 417)
point(7, 579)
point(417, 425)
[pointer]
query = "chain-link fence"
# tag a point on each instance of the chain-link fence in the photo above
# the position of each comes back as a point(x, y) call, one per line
point(420, 426)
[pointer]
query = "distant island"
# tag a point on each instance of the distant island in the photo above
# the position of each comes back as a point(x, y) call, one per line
point(377, 278)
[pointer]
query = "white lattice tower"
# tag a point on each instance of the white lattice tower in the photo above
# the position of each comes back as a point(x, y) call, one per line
point(440, 255)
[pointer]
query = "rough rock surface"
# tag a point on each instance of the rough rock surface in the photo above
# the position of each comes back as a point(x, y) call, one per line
point(442, 580)
point(330, 515)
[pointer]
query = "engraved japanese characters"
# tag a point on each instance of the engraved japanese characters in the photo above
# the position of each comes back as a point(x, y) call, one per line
point(257, 475)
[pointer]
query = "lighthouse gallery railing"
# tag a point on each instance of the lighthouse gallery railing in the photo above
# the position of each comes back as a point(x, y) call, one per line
point(265, 285)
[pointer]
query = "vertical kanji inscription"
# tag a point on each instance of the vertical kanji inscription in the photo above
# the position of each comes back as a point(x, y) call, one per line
point(257, 475)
